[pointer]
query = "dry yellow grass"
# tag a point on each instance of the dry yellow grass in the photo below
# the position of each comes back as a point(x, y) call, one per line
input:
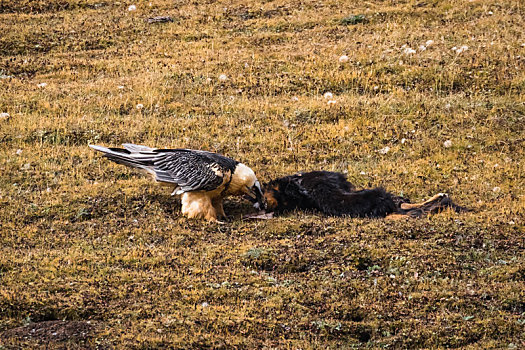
point(82, 239)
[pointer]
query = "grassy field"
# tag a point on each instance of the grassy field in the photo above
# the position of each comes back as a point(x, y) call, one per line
point(430, 99)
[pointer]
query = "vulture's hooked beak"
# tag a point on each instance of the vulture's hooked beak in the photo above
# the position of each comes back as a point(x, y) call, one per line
point(255, 195)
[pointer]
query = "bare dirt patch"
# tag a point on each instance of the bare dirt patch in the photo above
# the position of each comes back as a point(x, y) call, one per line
point(50, 332)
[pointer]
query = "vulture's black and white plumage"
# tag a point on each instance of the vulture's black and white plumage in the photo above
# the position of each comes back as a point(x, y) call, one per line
point(201, 178)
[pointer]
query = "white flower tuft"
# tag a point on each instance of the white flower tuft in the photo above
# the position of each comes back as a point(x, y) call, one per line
point(223, 77)
point(447, 144)
point(4, 115)
point(461, 49)
point(132, 8)
point(409, 51)
point(140, 106)
point(429, 43)
point(41, 85)
point(422, 47)
point(343, 59)
point(384, 150)
point(328, 95)
point(496, 189)
point(331, 102)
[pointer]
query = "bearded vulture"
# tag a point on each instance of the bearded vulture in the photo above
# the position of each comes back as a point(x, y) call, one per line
point(202, 179)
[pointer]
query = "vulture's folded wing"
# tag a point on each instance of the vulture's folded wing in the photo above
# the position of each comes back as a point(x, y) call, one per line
point(188, 170)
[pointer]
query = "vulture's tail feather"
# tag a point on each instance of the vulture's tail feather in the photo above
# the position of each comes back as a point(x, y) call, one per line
point(137, 148)
point(130, 156)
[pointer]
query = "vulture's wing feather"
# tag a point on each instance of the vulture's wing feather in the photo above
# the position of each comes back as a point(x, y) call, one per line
point(191, 170)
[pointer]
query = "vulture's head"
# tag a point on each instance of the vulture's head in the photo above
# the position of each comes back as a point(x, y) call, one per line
point(244, 182)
